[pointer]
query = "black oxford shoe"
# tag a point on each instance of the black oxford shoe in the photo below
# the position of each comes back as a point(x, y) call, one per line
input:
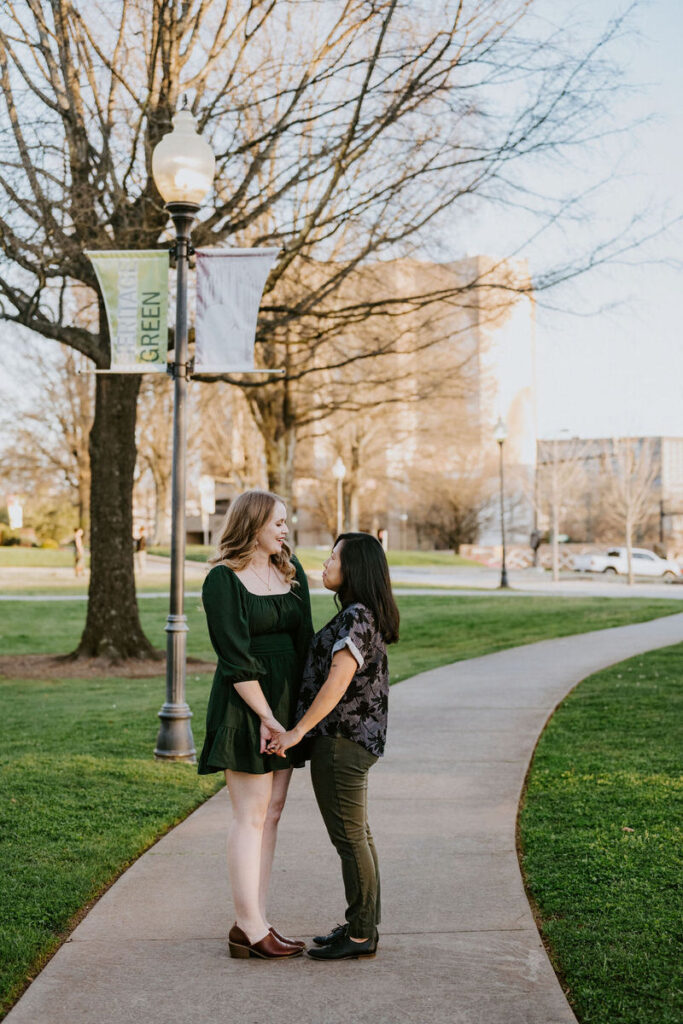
point(343, 948)
point(324, 940)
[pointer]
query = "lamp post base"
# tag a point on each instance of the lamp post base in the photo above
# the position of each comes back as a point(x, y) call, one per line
point(504, 585)
point(175, 741)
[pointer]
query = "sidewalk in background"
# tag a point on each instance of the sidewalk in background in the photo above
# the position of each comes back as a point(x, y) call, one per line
point(407, 580)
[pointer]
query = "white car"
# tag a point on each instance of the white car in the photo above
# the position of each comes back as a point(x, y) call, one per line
point(645, 563)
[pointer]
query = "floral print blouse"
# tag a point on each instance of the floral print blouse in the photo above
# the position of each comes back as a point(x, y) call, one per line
point(361, 714)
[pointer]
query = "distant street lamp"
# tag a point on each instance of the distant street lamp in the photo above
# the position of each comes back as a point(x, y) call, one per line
point(183, 166)
point(500, 432)
point(339, 472)
point(404, 520)
point(207, 505)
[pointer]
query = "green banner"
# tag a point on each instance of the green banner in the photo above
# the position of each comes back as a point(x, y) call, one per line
point(135, 290)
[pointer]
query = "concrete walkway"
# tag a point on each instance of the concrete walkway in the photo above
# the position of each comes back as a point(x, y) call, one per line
point(458, 943)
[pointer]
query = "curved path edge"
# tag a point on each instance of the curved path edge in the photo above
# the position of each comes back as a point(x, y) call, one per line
point(458, 941)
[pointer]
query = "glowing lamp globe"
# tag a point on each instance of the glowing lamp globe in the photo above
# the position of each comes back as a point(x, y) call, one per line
point(339, 470)
point(183, 163)
point(500, 431)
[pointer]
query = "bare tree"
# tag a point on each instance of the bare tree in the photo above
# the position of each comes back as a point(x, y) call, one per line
point(364, 441)
point(560, 475)
point(230, 446)
point(344, 133)
point(154, 443)
point(46, 443)
point(452, 514)
point(631, 469)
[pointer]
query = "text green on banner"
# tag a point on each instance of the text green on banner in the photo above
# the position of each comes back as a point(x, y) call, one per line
point(135, 290)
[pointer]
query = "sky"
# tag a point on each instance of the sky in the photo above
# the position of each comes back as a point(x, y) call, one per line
point(609, 355)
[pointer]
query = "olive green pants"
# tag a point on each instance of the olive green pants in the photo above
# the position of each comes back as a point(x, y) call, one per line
point(339, 772)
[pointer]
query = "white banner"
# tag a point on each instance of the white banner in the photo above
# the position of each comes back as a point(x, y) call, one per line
point(230, 284)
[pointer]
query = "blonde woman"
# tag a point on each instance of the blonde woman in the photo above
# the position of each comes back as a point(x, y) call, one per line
point(259, 616)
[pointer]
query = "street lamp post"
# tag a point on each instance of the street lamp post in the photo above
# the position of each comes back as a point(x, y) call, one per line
point(339, 472)
point(183, 166)
point(500, 432)
point(404, 522)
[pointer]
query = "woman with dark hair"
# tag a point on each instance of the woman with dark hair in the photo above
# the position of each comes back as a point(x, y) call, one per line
point(341, 728)
point(259, 617)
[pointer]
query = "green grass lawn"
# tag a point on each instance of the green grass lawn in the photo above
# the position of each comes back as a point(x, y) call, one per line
point(80, 798)
point(435, 629)
point(69, 749)
point(313, 558)
point(43, 558)
point(601, 839)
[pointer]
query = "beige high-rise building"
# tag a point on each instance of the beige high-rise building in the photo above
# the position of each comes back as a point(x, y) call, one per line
point(462, 359)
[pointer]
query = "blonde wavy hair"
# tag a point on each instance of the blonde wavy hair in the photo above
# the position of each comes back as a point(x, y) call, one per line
point(244, 520)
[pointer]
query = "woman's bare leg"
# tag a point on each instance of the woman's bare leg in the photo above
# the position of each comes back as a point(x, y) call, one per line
point(250, 796)
point(281, 780)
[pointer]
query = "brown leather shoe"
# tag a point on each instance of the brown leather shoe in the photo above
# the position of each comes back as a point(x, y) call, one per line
point(267, 948)
point(288, 942)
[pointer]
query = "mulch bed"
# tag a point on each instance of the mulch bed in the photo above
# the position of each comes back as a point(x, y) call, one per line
point(50, 666)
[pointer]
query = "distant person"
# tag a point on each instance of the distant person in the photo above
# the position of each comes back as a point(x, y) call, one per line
point(141, 549)
point(534, 544)
point(79, 552)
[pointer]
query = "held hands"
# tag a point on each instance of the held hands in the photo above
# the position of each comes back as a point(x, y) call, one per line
point(283, 741)
point(270, 730)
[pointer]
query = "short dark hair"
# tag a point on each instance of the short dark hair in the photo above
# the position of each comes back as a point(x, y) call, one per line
point(365, 578)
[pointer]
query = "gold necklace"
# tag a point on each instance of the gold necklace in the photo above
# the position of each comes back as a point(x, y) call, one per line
point(266, 583)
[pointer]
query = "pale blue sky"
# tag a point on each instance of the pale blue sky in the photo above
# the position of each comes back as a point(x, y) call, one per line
point(620, 370)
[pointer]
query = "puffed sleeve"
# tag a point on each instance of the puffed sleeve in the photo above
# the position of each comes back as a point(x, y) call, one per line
point(305, 630)
point(228, 624)
point(356, 631)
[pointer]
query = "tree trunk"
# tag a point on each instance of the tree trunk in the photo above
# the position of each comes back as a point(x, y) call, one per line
point(280, 451)
point(629, 549)
point(352, 502)
point(162, 504)
point(112, 627)
point(354, 510)
point(83, 506)
point(556, 517)
point(274, 411)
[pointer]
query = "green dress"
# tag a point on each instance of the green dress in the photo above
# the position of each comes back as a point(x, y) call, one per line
point(255, 637)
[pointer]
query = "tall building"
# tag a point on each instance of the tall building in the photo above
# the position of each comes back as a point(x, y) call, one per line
point(463, 356)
